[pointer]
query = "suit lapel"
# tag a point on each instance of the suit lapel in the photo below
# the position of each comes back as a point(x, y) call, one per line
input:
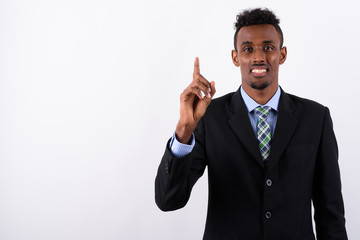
point(286, 124)
point(285, 128)
point(240, 123)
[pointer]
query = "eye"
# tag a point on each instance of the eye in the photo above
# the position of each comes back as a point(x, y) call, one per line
point(247, 49)
point(268, 48)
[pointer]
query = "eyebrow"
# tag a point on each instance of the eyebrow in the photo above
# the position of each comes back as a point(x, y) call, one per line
point(246, 42)
point(269, 41)
point(249, 42)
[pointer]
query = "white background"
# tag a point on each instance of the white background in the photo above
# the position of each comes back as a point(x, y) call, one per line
point(89, 95)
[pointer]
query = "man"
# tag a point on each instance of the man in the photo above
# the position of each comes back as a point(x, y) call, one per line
point(269, 154)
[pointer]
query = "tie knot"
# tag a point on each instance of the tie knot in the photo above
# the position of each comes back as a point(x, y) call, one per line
point(263, 112)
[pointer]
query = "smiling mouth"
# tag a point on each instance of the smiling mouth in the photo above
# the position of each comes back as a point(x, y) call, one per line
point(259, 72)
point(256, 70)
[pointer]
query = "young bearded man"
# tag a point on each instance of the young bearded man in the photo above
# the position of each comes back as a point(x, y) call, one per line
point(269, 154)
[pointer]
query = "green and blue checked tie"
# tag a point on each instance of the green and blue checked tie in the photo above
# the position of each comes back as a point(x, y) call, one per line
point(263, 131)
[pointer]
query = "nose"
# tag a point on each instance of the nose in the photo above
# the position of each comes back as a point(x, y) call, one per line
point(258, 56)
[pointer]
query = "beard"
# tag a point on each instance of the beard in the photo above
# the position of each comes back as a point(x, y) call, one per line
point(259, 87)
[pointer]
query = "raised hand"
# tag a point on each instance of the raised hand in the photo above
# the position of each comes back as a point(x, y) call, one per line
point(194, 101)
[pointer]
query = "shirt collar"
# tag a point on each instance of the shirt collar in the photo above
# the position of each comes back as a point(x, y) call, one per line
point(251, 104)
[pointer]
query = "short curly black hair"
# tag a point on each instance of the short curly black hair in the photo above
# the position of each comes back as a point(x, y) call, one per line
point(257, 16)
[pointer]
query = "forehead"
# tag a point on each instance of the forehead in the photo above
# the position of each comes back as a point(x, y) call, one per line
point(258, 34)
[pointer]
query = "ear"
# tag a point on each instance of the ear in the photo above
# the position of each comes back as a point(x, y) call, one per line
point(283, 54)
point(234, 57)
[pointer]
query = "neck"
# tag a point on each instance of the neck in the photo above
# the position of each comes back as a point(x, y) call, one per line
point(261, 96)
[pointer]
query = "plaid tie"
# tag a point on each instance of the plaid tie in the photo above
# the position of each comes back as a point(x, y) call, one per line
point(263, 131)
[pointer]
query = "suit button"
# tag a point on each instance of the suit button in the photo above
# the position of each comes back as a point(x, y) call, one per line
point(166, 168)
point(268, 182)
point(268, 215)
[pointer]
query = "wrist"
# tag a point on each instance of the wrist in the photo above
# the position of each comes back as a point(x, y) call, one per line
point(184, 132)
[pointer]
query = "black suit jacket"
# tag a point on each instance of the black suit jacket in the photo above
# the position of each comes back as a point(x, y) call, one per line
point(251, 200)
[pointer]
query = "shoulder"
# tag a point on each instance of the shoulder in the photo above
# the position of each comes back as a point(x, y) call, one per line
point(304, 101)
point(221, 103)
point(304, 106)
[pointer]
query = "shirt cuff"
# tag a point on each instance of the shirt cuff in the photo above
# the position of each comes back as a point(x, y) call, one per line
point(179, 149)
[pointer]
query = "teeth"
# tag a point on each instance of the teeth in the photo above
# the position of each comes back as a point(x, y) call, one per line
point(258, 70)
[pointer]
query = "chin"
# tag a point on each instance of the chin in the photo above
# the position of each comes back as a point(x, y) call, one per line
point(260, 86)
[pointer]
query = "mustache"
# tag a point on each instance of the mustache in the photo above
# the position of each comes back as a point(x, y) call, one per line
point(259, 65)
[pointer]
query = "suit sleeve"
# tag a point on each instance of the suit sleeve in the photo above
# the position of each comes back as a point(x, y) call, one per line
point(176, 176)
point(327, 197)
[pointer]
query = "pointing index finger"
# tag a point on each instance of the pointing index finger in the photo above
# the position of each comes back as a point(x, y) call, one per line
point(196, 66)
